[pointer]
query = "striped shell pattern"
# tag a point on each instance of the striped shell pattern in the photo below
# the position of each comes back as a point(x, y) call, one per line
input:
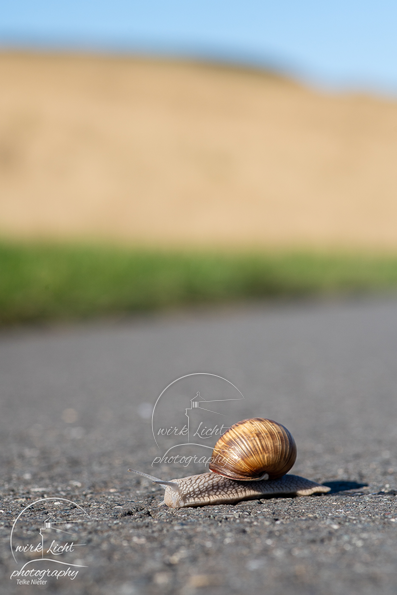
point(254, 449)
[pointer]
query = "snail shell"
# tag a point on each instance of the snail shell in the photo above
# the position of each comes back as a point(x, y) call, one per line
point(254, 449)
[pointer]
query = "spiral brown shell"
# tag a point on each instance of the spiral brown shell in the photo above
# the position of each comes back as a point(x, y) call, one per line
point(252, 448)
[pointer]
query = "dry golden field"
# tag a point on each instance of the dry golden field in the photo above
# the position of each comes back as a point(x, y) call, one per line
point(182, 154)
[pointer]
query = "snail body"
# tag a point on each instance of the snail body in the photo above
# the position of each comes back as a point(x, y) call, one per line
point(249, 461)
point(212, 488)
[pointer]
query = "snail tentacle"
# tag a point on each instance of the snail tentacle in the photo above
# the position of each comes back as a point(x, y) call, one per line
point(171, 484)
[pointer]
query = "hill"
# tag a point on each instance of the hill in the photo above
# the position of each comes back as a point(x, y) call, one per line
point(163, 153)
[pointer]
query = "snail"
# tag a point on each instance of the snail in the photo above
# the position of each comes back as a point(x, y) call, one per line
point(249, 461)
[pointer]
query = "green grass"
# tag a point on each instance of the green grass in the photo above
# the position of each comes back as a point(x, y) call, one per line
point(40, 282)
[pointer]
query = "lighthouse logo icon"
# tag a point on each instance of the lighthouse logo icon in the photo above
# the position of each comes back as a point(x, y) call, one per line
point(56, 542)
point(195, 422)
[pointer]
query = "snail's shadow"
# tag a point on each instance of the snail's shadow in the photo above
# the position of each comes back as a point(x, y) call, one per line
point(343, 486)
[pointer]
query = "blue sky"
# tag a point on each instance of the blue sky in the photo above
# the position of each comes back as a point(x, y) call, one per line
point(335, 44)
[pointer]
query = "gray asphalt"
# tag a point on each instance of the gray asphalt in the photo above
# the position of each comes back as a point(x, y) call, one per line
point(74, 419)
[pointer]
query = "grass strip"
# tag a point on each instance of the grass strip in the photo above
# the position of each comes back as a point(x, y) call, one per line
point(44, 282)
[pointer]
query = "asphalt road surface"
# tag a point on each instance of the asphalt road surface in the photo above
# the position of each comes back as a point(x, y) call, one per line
point(76, 408)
